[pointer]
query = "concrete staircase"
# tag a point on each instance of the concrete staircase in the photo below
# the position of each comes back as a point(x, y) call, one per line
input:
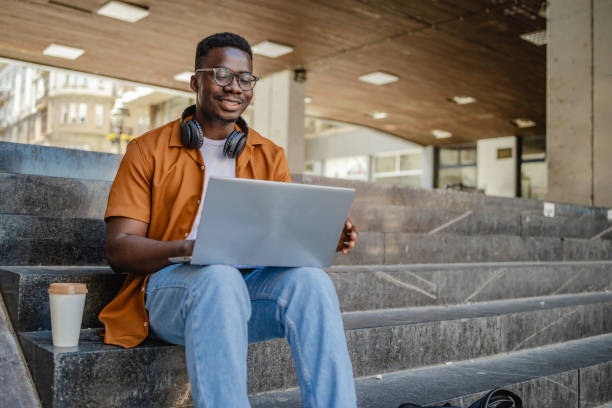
point(447, 295)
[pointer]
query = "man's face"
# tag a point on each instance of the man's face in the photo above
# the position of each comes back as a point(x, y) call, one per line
point(225, 103)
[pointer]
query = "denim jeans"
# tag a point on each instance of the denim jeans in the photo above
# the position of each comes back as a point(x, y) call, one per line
point(215, 312)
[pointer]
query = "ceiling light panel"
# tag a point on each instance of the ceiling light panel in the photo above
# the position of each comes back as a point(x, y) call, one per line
point(378, 78)
point(123, 11)
point(537, 37)
point(463, 100)
point(522, 123)
point(184, 76)
point(271, 49)
point(441, 134)
point(378, 115)
point(63, 51)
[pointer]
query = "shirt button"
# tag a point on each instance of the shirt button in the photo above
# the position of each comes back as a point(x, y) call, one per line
point(202, 167)
point(145, 324)
point(186, 234)
point(198, 201)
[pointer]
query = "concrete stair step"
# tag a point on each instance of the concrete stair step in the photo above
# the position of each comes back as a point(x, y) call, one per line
point(395, 286)
point(20, 158)
point(378, 341)
point(359, 287)
point(53, 196)
point(37, 240)
point(396, 218)
point(25, 292)
point(41, 240)
point(455, 201)
point(577, 373)
point(376, 248)
point(86, 198)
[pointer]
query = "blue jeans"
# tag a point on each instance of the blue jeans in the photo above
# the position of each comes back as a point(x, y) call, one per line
point(215, 312)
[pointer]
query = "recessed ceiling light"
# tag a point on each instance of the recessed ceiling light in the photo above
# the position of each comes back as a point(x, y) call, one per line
point(462, 100)
point(63, 51)
point(123, 11)
point(441, 134)
point(184, 76)
point(537, 37)
point(378, 78)
point(307, 99)
point(271, 49)
point(523, 123)
point(378, 115)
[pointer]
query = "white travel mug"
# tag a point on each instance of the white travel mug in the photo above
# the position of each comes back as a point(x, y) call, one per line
point(67, 301)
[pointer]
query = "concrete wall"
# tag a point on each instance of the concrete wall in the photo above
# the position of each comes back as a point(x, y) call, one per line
point(579, 92)
point(602, 103)
point(497, 176)
point(356, 142)
point(279, 115)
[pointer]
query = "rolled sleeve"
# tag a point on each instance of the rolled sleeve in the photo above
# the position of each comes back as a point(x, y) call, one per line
point(130, 194)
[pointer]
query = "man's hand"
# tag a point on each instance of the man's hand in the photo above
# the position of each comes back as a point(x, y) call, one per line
point(348, 238)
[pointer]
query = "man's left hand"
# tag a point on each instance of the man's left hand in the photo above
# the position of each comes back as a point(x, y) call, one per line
point(348, 239)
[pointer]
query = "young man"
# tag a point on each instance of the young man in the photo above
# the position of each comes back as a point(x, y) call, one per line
point(214, 311)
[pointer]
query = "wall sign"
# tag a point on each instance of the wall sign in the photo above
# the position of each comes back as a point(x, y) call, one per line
point(504, 153)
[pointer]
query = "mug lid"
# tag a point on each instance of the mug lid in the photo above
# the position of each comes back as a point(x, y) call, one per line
point(67, 288)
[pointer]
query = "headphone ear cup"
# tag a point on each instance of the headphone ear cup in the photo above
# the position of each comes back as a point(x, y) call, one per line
point(234, 145)
point(192, 136)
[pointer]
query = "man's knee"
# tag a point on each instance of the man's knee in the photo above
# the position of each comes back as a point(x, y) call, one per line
point(218, 281)
point(313, 280)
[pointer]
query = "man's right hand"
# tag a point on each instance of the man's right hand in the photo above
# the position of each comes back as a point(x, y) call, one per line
point(129, 250)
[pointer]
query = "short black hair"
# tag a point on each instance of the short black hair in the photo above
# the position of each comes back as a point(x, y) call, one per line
point(221, 40)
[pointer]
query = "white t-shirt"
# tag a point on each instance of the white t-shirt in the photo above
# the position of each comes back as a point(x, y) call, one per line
point(216, 165)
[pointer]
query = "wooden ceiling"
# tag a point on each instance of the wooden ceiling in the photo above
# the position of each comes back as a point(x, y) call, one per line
point(438, 49)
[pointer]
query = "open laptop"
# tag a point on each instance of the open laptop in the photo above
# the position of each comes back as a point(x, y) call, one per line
point(251, 223)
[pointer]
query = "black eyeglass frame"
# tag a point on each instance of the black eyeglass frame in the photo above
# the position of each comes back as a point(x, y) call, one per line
point(241, 75)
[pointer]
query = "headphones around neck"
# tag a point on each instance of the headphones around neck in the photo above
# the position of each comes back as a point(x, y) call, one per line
point(192, 135)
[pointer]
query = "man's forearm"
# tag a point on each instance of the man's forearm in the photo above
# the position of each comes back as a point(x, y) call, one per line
point(140, 255)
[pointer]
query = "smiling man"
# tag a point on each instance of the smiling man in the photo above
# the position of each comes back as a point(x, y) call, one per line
point(153, 213)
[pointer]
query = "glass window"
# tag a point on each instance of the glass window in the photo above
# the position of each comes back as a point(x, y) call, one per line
point(468, 155)
point(410, 161)
point(82, 113)
point(72, 118)
point(385, 164)
point(534, 180)
point(63, 114)
point(99, 115)
point(457, 176)
point(449, 157)
point(355, 168)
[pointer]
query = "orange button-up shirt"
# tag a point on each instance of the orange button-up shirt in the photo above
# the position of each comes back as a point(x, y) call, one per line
point(160, 182)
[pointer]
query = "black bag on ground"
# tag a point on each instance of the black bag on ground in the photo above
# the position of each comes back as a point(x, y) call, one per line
point(497, 398)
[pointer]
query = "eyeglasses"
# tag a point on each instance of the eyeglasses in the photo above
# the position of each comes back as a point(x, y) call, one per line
point(224, 77)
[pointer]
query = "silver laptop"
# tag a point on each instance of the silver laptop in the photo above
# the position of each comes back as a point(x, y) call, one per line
point(251, 223)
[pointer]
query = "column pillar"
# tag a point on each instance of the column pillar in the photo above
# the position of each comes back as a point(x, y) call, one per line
point(579, 92)
point(279, 115)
